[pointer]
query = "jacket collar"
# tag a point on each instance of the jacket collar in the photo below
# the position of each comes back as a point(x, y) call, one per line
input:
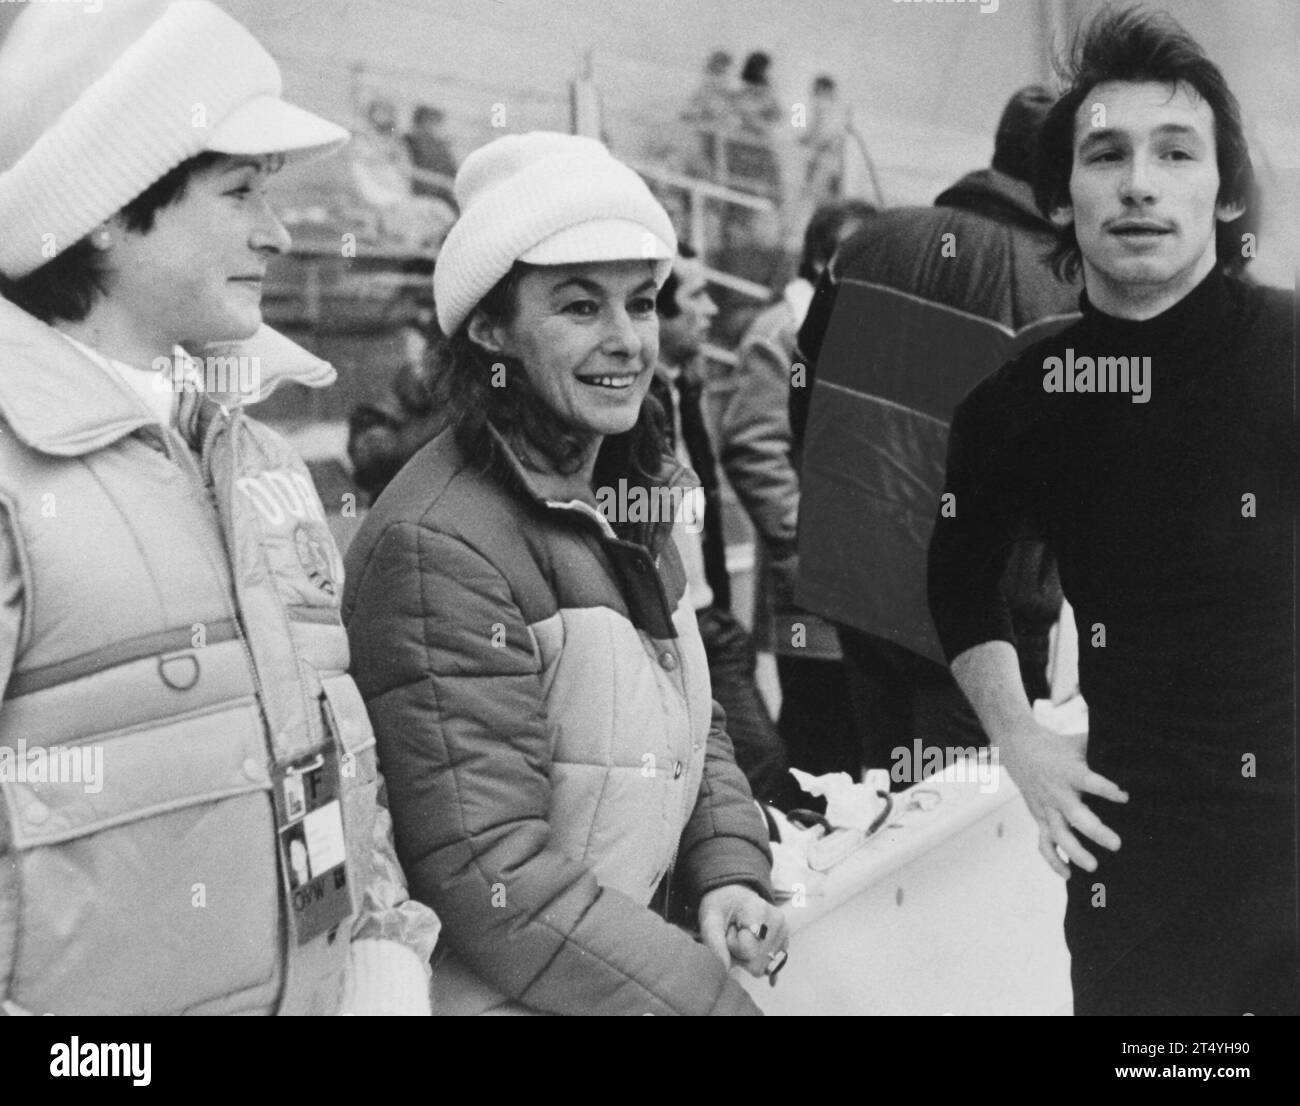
point(56, 401)
point(583, 502)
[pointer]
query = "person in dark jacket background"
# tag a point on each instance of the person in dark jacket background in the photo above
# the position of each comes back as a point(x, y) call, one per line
point(914, 310)
point(816, 720)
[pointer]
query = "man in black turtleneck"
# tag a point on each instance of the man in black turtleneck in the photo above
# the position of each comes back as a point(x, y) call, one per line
point(1151, 446)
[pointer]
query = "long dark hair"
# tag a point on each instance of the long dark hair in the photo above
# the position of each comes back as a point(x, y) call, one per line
point(469, 391)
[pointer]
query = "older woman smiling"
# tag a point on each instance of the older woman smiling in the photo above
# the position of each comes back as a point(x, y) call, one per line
point(535, 675)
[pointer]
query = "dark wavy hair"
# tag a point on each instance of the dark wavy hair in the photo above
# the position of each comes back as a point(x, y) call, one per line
point(465, 394)
point(1134, 45)
point(822, 235)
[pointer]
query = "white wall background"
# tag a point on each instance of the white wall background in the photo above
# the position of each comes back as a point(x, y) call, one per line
point(926, 80)
point(912, 70)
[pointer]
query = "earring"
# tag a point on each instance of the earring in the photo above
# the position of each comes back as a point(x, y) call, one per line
point(102, 239)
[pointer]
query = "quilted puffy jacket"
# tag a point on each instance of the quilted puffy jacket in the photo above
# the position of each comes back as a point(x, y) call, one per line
point(541, 700)
point(913, 312)
point(174, 611)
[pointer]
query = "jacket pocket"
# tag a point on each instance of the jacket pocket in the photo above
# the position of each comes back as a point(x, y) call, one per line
point(149, 882)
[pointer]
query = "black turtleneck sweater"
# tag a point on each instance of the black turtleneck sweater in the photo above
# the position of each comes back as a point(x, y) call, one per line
point(1172, 521)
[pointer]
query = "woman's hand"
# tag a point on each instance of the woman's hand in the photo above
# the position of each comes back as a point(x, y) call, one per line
point(741, 927)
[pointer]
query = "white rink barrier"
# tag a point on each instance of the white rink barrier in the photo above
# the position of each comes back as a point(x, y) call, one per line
point(948, 909)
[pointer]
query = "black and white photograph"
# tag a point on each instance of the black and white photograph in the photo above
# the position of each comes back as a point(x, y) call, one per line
point(764, 507)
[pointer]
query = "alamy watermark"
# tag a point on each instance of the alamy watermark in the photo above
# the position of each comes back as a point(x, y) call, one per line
point(98, 1060)
point(1131, 375)
point(83, 764)
point(241, 376)
point(635, 503)
point(968, 764)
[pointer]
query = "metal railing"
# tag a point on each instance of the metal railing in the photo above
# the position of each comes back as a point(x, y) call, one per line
point(441, 181)
point(698, 193)
point(723, 147)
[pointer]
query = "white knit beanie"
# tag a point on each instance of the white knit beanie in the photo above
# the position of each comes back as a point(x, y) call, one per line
point(101, 103)
point(545, 199)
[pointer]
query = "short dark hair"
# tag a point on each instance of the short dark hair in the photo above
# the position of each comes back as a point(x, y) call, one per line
point(666, 300)
point(1017, 135)
point(755, 68)
point(464, 392)
point(67, 286)
point(822, 234)
point(1134, 45)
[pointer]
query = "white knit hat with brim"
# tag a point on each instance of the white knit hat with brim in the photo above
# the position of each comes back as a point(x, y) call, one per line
point(100, 104)
point(545, 199)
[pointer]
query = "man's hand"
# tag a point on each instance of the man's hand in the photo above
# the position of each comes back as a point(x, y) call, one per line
point(1051, 770)
point(742, 927)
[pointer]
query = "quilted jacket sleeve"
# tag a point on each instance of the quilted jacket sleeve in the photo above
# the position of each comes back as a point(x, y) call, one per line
point(388, 912)
point(11, 624)
point(725, 840)
point(456, 701)
point(393, 935)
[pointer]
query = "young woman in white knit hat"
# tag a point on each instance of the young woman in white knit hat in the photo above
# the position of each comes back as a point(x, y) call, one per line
point(187, 774)
point(559, 776)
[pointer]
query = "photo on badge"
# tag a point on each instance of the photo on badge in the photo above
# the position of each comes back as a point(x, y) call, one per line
point(296, 856)
point(294, 801)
